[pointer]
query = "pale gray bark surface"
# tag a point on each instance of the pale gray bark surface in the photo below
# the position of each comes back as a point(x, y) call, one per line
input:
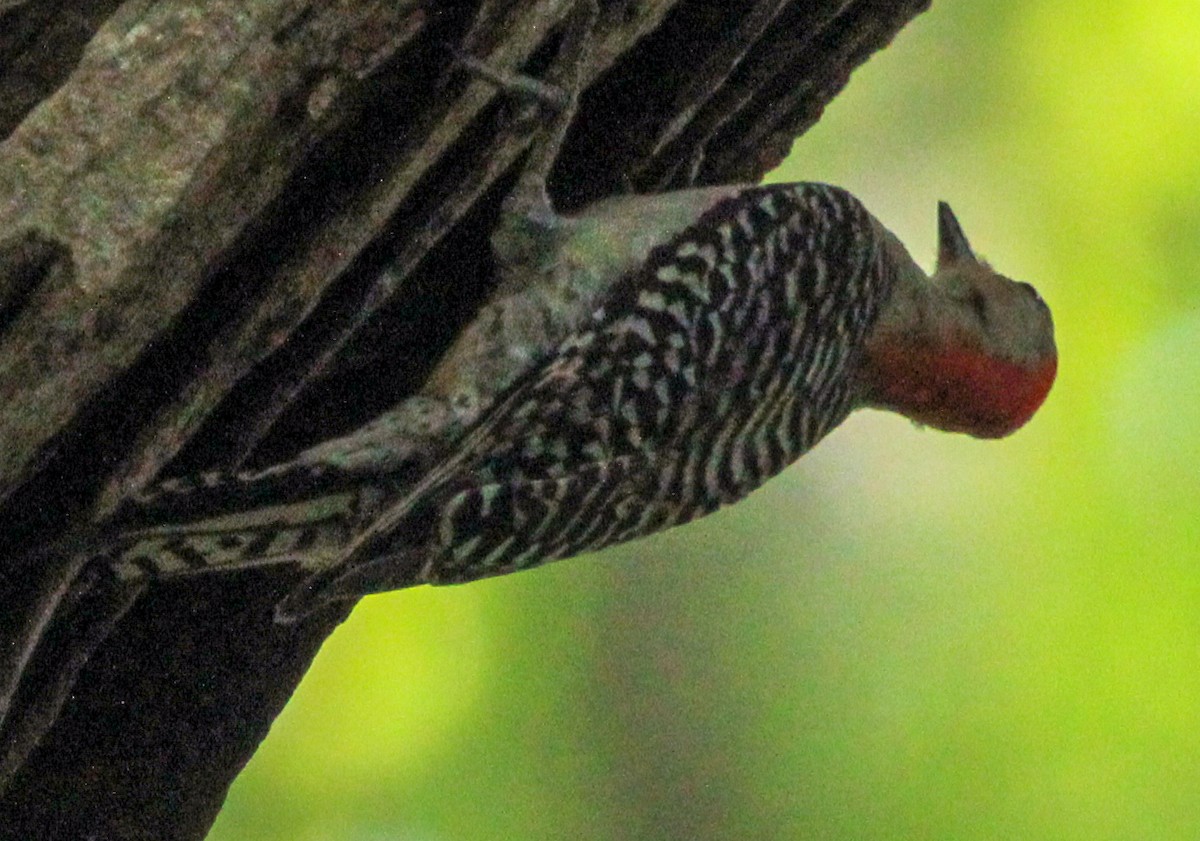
point(196, 201)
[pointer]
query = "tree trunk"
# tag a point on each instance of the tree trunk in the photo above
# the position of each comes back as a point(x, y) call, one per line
point(230, 230)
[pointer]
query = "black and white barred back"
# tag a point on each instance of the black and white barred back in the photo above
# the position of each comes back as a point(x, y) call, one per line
point(724, 358)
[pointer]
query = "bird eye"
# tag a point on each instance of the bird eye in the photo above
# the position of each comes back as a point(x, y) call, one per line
point(979, 303)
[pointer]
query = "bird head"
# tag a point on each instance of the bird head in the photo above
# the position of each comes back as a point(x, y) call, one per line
point(968, 350)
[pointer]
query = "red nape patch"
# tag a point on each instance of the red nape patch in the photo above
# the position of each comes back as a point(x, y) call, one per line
point(958, 389)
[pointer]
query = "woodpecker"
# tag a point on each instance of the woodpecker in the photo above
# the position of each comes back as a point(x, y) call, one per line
point(668, 356)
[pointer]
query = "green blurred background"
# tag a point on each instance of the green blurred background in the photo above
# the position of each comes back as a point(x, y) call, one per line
point(908, 634)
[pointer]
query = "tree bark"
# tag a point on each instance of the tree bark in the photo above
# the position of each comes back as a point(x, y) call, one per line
point(230, 230)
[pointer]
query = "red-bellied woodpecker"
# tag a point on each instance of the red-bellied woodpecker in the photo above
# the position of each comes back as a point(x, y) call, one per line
point(642, 364)
point(678, 351)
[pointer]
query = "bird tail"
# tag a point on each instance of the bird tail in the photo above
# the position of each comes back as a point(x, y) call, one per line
point(226, 521)
point(310, 531)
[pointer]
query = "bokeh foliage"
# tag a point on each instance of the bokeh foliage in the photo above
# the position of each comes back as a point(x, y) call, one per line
point(909, 634)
